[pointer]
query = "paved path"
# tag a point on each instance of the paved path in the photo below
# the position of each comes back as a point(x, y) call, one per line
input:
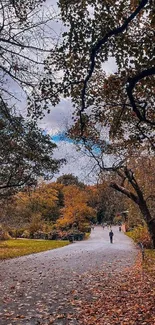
point(36, 286)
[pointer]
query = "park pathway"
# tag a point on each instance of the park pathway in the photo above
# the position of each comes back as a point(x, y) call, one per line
point(41, 288)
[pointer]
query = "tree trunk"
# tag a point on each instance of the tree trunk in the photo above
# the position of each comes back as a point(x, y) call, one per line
point(151, 227)
point(149, 220)
point(140, 201)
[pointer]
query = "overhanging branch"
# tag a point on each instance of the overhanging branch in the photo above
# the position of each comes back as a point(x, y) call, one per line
point(114, 32)
point(131, 83)
point(124, 191)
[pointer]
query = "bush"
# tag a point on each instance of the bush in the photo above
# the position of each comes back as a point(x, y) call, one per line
point(55, 234)
point(76, 234)
point(141, 235)
point(85, 227)
point(25, 234)
point(4, 235)
point(16, 233)
point(36, 224)
point(40, 235)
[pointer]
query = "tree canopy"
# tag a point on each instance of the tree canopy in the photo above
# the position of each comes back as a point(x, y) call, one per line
point(114, 111)
point(26, 153)
point(95, 32)
point(69, 179)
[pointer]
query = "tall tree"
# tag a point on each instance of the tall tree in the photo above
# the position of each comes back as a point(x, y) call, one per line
point(124, 156)
point(43, 203)
point(122, 103)
point(76, 210)
point(42, 200)
point(26, 153)
point(107, 203)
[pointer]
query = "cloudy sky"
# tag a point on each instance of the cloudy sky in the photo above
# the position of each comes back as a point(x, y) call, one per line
point(60, 118)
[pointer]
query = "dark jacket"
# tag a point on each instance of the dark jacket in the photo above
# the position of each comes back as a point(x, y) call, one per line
point(111, 234)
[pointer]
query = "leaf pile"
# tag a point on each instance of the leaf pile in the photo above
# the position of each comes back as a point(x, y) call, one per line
point(125, 298)
point(101, 297)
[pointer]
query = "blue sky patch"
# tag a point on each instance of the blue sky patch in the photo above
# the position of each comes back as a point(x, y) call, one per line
point(60, 137)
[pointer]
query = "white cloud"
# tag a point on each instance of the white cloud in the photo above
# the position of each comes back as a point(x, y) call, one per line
point(59, 119)
point(77, 164)
point(110, 66)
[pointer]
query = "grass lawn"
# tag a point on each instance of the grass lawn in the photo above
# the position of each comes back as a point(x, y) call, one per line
point(19, 247)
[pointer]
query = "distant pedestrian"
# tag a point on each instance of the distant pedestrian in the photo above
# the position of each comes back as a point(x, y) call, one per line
point(111, 234)
point(119, 228)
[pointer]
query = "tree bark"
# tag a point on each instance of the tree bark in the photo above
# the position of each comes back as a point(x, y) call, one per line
point(149, 220)
point(141, 202)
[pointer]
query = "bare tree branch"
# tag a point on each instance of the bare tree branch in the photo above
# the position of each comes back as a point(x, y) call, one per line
point(123, 190)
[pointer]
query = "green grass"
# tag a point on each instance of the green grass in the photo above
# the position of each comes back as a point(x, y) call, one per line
point(19, 247)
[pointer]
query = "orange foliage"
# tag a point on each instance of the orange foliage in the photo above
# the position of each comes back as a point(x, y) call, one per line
point(76, 210)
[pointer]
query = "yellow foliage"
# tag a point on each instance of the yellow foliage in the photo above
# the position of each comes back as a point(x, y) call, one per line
point(36, 223)
point(41, 200)
point(76, 209)
point(141, 235)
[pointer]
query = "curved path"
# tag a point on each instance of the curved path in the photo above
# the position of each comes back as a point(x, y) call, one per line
point(36, 286)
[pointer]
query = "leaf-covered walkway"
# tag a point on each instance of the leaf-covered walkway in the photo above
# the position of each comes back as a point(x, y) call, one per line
point(90, 282)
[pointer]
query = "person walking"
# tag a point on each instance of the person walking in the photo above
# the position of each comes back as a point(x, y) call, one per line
point(111, 234)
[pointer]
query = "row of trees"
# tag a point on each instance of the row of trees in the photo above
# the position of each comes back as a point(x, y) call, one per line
point(62, 206)
point(69, 204)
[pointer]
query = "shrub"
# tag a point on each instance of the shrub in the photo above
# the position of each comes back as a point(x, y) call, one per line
point(36, 224)
point(55, 234)
point(25, 234)
point(40, 235)
point(141, 234)
point(16, 233)
point(4, 235)
point(85, 227)
point(76, 234)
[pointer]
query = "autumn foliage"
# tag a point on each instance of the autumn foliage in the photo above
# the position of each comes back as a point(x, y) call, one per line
point(140, 234)
point(76, 210)
point(125, 297)
point(49, 207)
